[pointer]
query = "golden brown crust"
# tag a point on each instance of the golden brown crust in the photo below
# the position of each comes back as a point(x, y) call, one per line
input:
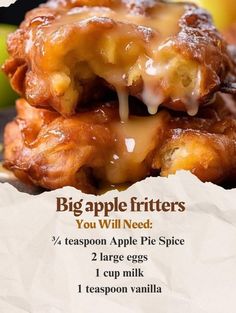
point(207, 153)
point(50, 151)
point(37, 57)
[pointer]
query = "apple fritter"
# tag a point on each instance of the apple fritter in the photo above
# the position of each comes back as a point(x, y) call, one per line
point(95, 147)
point(67, 52)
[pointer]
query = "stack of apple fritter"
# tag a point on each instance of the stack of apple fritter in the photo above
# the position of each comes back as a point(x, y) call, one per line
point(115, 91)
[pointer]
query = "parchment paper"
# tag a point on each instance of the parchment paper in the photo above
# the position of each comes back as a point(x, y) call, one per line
point(200, 277)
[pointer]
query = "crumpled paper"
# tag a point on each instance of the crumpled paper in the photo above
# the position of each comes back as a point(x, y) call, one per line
point(6, 3)
point(37, 276)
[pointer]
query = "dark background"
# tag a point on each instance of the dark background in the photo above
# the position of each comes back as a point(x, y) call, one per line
point(16, 12)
